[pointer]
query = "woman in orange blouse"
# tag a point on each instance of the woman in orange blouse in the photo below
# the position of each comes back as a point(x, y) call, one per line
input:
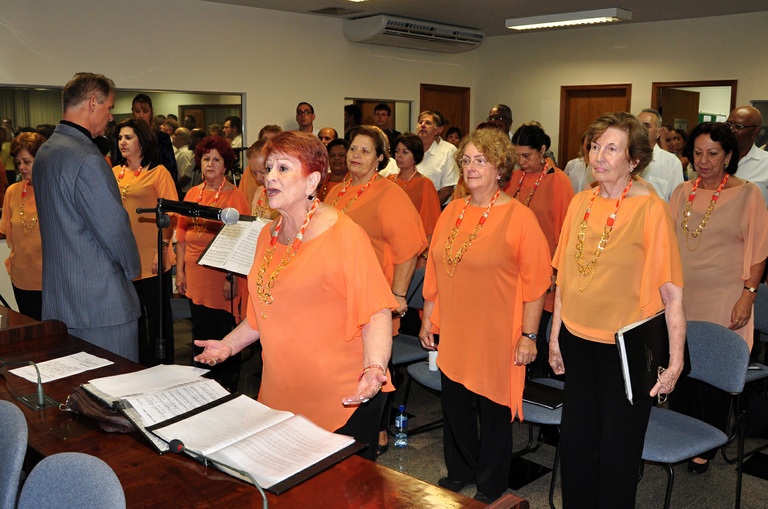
point(19, 227)
point(547, 191)
point(723, 259)
point(617, 263)
point(317, 301)
point(142, 181)
point(487, 251)
point(215, 301)
point(259, 203)
point(337, 161)
point(409, 151)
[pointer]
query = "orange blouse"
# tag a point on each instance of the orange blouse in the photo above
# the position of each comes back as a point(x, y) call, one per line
point(260, 205)
point(25, 263)
point(248, 184)
point(143, 192)
point(640, 256)
point(388, 217)
point(549, 202)
point(205, 286)
point(321, 300)
point(422, 193)
point(478, 311)
point(717, 264)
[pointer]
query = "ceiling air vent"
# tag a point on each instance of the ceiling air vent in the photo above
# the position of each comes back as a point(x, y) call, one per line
point(407, 33)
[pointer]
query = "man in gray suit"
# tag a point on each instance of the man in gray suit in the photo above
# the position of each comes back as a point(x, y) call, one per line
point(89, 252)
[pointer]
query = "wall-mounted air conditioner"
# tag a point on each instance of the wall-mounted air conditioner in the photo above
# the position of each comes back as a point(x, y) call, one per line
point(407, 33)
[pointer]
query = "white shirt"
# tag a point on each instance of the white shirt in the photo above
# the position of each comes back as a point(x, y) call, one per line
point(664, 173)
point(580, 174)
point(390, 169)
point(754, 167)
point(237, 142)
point(185, 163)
point(439, 165)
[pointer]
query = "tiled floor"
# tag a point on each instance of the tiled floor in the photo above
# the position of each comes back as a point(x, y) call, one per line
point(423, 458)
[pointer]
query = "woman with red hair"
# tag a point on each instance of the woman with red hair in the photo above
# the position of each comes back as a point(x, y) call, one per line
point(214, 301)
point(318, 302)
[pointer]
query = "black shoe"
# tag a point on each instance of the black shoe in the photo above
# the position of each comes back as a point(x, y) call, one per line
point(697, 468)
point(482, 497)
point(455, 486)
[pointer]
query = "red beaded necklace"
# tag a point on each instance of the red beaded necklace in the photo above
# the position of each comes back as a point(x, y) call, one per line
point(360, 191)
point(689, 235)
point(589, 269)
point(200, 224)
point(264, 292)
point(124, 189)
point(535, 185)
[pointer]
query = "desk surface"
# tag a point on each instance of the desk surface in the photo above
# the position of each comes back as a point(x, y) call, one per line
point(152, 480)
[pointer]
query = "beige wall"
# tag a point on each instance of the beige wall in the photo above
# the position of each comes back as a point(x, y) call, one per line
point(278, 59)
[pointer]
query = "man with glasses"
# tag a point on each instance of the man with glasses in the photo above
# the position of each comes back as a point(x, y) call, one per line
point(745, 122)
point(305, 117)
point(501, 115)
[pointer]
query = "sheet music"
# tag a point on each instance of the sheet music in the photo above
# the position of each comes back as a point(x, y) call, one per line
point(161, 406)
point(62, 367)
point(148, 380)
point(234, 247)
point(223, 425)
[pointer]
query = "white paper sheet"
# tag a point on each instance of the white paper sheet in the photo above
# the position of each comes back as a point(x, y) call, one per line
point(148, 380)
point(62, 367)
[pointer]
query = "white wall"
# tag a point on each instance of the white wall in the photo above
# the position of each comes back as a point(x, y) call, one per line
point(278, 59)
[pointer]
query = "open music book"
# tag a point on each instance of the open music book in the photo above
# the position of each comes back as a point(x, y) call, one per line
point(233, 248)
point(279, 449)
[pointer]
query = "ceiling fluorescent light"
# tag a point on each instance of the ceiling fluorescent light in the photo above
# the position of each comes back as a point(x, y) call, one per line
point(570, 19)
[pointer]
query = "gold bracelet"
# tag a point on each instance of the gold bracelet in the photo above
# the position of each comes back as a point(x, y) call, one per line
point(367, 369)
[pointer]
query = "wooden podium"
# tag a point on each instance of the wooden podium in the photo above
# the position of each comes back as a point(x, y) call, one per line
point(169, 480)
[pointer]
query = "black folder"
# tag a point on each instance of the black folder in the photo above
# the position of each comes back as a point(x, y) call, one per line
point(543, 395)
point(643, 347)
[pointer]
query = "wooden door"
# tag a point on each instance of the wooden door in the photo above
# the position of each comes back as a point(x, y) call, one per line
point(368, 106)
point(678, 107)
point(580, 106)
point(451, 102)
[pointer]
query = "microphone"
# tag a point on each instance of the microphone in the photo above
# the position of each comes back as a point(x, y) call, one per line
point(177, 446)
point(38, 400)
point(191, 209)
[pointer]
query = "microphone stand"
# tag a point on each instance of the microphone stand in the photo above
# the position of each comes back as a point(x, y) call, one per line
point(162, 220)
point(37, 400)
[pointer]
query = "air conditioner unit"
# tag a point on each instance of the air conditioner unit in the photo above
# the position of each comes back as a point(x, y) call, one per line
point(408, 33)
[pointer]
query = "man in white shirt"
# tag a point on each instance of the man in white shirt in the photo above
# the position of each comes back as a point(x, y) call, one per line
point(185, 158)
point(438, 164)
point(665, 171)
point(232, 129)
point(745, 122)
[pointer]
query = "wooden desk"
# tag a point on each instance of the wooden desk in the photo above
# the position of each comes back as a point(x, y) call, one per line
point(170, 480)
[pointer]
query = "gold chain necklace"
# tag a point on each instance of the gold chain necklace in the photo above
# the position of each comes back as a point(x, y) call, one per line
point(27, 226)
point(452, 262)
point(124, 189)
point(264, 292)
point(407, 181)
point(343, 191)
point(690, 235)
point(589, 269)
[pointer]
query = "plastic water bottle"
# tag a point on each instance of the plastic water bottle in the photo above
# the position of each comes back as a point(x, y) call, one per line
point(401, 428)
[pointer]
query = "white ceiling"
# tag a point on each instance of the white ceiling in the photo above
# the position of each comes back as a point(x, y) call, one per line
point(490, 15)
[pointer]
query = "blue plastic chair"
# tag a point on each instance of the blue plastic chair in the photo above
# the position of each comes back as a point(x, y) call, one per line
point(13, 444)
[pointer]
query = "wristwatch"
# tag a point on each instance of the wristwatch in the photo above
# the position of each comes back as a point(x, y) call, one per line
point(531, 335)
point(751, 289)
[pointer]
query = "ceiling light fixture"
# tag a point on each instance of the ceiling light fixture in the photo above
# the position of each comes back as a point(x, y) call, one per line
point(570, 19)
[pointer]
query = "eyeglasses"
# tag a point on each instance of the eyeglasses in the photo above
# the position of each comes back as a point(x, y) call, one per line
point(303, 112)
point(479, 162)
point(661, 397)
point(497, 118)
point(738, 127)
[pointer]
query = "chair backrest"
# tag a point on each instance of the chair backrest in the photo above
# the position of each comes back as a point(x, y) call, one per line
point(13, 444)
point(415, 297)
point(719, 356)
point(761, 310)
point(72, 479)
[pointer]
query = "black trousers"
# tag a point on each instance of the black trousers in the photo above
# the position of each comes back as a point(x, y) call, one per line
point(471, 454)
point(209, 323)
point(149, 321)
point(363, 424)
point(30, 302)
point(602, 435)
